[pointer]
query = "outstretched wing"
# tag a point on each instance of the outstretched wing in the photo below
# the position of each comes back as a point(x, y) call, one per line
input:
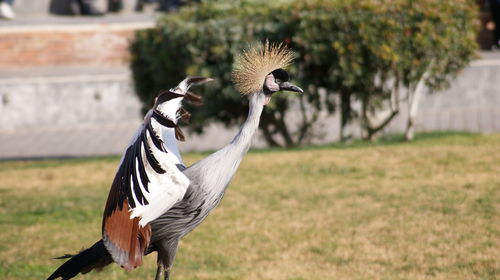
point(147, 184)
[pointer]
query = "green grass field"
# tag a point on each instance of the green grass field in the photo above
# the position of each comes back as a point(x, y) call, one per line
point(389, 210)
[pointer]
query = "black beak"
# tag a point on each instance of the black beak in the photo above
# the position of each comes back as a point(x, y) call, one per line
point(290, 87)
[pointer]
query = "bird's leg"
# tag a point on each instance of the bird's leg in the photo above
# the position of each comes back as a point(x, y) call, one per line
point(166, 255)
point(160, 270)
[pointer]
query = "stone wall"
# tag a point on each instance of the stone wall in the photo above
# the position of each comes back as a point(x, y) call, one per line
point(64, 99)
point(42, 6)
point(471, 104)
point(90, 44)
point(65, 90)
point(92, 95)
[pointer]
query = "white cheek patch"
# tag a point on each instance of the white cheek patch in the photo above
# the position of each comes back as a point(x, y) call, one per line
point(271, 83)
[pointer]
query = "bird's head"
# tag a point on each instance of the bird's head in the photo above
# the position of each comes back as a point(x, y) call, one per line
point(278, 81)
point(259, 70)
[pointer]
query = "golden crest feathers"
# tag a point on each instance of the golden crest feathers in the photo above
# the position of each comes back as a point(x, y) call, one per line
point(252, 66)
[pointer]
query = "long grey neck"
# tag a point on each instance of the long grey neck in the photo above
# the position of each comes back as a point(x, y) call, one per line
point(242, 141)
point(214, 172)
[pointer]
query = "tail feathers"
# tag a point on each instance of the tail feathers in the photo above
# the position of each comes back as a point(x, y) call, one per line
point(95, 257)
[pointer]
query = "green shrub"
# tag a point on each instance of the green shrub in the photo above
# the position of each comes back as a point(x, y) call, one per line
point(360, 50)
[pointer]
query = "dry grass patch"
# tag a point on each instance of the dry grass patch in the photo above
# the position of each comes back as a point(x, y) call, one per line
point(423, 210)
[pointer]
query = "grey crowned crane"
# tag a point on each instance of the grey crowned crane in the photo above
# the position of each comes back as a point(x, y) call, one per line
point(154, 200)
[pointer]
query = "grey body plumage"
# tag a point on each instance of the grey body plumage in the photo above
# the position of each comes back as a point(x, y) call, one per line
point(154, 200)
point(209, 179)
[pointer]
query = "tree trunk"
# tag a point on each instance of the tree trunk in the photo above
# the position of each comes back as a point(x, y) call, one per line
point(282, 128)
point(370, 129)
point(268, 136)
point(413, 100)
point(414, 95)
point(306, 126)
point(345, 114)
point(365, 122)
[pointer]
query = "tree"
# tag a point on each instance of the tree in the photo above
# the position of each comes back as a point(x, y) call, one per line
point(358, 50)
point(439, 40)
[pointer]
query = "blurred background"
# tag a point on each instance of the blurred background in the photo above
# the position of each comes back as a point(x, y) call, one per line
point(387, 167)
point(76, 76)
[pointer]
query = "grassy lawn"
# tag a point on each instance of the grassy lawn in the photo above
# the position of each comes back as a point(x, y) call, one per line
point(423, 210)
